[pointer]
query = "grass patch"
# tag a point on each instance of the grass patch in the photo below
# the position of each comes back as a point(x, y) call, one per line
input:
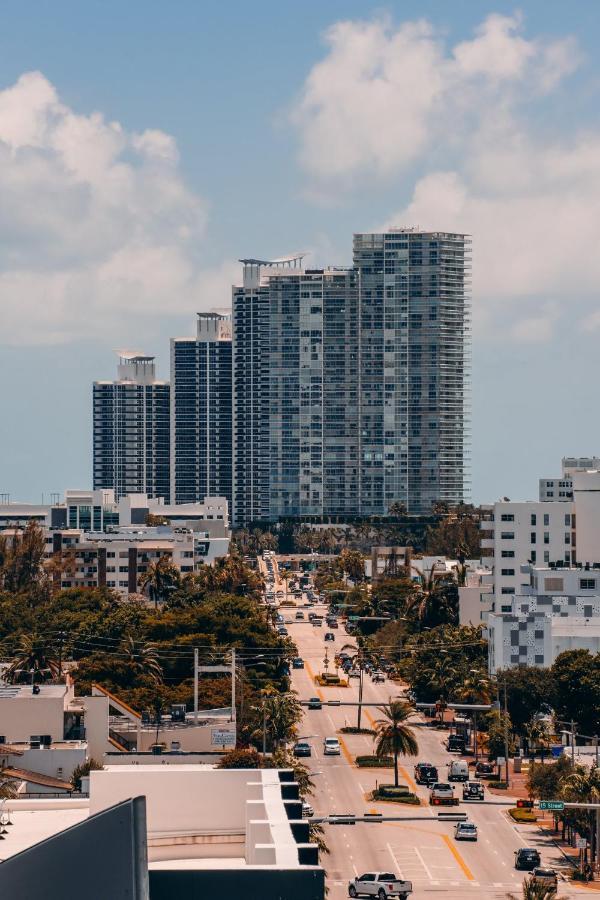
point(374, 762)
point(331, 681)
point(389, 793)
point(350, 729)
point(522, 815)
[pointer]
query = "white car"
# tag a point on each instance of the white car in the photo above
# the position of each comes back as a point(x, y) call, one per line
point(331, 746)
point(307, 811)
point(381, 885)
point(465, 831)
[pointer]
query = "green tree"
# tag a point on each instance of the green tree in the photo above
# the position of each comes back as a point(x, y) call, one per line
point(21, 558)
point(393, 736)
point(528, 690)
point(34, 660)
point(248, 758)
point(79, 772)
point(499, 726)
point(352, 563)
point(544, 780)
point(582, 785)
point(160, 579)
point(142, 658)
point(281, 712)
point(538, 734)
point(576, 680)
point(533, 890)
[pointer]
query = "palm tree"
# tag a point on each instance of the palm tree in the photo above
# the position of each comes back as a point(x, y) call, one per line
point(160, 579)
point(142, 658)
point(392, 735)
point(538, 734)
point(533, 890)
point(281, 713)
point(33, 659)
point(442, 676)
point(583, 786)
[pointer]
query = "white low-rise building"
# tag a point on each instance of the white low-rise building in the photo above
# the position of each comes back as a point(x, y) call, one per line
point(558, 610)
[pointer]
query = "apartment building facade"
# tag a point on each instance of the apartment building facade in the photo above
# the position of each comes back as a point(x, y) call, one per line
point(350, 384)
point(131, 422)
point(201, 411)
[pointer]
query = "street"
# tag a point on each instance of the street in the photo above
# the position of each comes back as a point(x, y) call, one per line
point(422, 851)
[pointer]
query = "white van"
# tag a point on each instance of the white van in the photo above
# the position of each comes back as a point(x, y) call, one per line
point(458, 770)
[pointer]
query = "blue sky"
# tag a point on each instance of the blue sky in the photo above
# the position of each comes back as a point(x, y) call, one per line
point(159, 142)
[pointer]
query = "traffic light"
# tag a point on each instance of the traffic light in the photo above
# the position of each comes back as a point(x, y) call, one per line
point(524, 804)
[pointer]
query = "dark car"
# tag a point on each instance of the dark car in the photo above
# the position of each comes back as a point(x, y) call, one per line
point(297, 663)
point(329, 636)
point(526, 858)
point(473, 790)
point(425, 773)
point(455, 744)
point(483, 769)
point(315, 703)
point(302, 748)
point(547, 877)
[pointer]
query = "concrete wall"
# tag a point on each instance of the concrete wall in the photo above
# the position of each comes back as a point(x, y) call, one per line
point(23, 716)
point(58, 763)
point(586, 495)
point(96, 726)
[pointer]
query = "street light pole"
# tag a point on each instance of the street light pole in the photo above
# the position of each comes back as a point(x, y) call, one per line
point(506, 734)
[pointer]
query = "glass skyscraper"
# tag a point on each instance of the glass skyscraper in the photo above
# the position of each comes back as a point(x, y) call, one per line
point(201, 412)
point(131, 430)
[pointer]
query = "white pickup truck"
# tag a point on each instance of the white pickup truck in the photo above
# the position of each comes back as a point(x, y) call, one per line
point(381, 885)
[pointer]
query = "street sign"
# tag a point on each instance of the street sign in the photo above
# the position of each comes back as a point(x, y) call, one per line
point(222, 738)
point(581, 843)
point(500, 760)
point(556, 805)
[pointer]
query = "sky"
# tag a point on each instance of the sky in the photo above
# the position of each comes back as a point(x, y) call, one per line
point(145, 147)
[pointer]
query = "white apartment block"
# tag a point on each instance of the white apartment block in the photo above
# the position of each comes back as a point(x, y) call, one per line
point(561, 488)
point(559, 610)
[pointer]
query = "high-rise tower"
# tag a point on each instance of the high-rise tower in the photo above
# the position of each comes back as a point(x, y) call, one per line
point(201, 411)
point(131, 430)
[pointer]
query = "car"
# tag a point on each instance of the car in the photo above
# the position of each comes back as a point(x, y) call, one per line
point(483, 769)
point(379, 884)
point(299, 616)
point(465, 831)
point(279, 618)
point(302, 748)
point(331, 746)
point(311, 616)
point(547, 877)
point(425, 773)
point(458, 770)
point(354, 673)
point(315, 703)
point(442, 794)
point(297, 663)
point(334, 623)
point(317, 622)
point(282, 631)
point(307, 810)
point(472, 790)
point(455, 744)
point(329, 636)
point(377, 677)
point(527, 858)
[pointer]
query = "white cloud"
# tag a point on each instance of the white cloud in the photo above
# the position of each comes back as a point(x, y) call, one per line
point(382, 95)
point(98, 231)
point(460, 125)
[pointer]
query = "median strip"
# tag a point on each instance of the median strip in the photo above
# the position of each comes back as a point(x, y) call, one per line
point(311, 674)
point(458, 857)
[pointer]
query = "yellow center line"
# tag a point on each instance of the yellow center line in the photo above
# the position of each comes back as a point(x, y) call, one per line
point(346, 752)
point(458, 857)
point(311, 674)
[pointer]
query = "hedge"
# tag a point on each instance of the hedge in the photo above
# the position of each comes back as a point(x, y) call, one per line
point(374, 762)
point(352, 729)
point(522, 815)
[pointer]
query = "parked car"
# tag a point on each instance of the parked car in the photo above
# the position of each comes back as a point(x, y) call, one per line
point(381, 885)
point(442, 794)
point(282, 631)
point(354, 673)
point(331, 746)
point(425, 773)
point(455, 744)
point(307, 810)
point(297, 663)
point(317, 622)
point(299, 616)
point(329, 636)
point(315, 703)
point(483, 769)
point(458, 770)
point(547, 877)
point(527, 858)
point(465, 831)
point(279, 618)
point(311, 616)
point(302, 748)
point(473, 790)
point(333, 623)
point(377, 677)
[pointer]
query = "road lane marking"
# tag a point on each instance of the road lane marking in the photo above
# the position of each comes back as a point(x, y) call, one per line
point(307, 665)
point(409, 780)
point(346, 752)
point(458, 857)
point(331, 722)
point(395, 861)
point(424, 864)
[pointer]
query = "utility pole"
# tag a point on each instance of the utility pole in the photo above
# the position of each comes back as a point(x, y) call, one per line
point(361, 673)
point(573, 743)
point(195, 685)
point(506, 733)
point(233, 712)
point(264, 712)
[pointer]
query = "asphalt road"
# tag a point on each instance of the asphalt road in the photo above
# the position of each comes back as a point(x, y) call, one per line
point(423, 851)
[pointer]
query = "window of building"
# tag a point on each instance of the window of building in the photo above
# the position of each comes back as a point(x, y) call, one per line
point(508, 571)
point(533, 519)
point(554, 584)
point(533, 537)
point(508, 554)
point(507, 535)
point(546, 537)
point(546, 556)
point(546, 519)
point(567, 537)
point(507, 517)
point(533, 556)
point(508, 590)
point(506, 608)
point(587, 584)
point(567, 519)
